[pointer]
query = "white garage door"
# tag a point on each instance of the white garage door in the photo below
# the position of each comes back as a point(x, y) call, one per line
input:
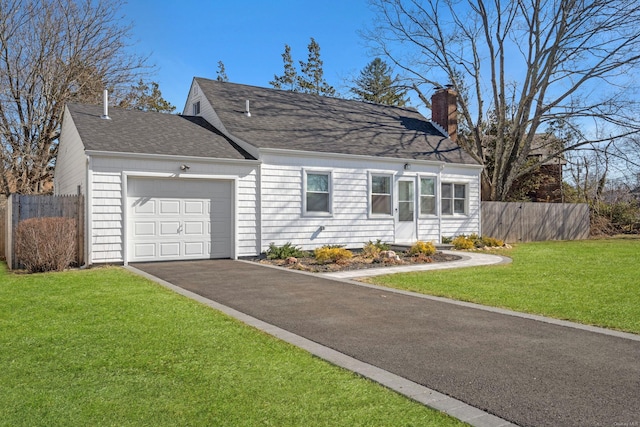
point(174, 219)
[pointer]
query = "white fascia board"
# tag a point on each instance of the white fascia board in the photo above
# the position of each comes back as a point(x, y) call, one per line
point(170, 157)
point(316, 154)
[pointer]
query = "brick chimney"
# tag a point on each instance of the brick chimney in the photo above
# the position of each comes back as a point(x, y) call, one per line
point(444, 110)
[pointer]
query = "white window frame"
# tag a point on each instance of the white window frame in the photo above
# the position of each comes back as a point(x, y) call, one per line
point(370, 195)
point(329, 174)
point(434, 196)
point(196, 108)
point(453, 198)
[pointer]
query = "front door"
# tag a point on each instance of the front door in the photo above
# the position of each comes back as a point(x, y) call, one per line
point(406, 212)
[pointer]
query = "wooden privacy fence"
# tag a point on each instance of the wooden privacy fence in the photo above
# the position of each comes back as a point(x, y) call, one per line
point(3, 225)
point(530, 222)
point(20, 207)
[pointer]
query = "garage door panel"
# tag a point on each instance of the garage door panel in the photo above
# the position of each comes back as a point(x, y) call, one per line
point(193, 207)
point(145, 250)
point(144, 228)
point(194, 228)
point(169, 207)
point(179, 219)
point(169, 228)
point(142, 207)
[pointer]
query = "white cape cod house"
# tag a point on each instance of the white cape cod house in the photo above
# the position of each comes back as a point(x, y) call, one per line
point(246, 166)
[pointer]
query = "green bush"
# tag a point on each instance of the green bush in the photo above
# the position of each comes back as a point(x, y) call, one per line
point(446, 240)
point(327, 254)
point(462, 242)
point(285, 251)
point(491, 242)
point(372, 250)
point(422, 248)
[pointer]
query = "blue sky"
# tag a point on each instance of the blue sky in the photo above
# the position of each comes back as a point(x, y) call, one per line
point(187, 38)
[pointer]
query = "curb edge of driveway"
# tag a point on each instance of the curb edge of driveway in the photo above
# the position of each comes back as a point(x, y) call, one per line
point(414, 391)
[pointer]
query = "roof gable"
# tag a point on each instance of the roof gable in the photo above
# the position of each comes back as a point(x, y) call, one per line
point(303, 122)
point(132, 131)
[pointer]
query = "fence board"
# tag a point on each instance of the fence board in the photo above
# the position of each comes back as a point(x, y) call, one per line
point(529, 222)
point(21, 207)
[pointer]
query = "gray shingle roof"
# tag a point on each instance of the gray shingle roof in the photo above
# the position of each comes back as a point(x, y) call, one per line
point(295, 121)
point(131, 131)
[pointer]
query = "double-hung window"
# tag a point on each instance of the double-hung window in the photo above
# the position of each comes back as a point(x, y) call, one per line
point(381, 195)
point(428, 196)
point(196, 108)
point(454, 199)
point(317, 198)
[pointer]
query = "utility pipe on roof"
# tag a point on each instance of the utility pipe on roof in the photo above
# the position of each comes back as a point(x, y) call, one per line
point(105, 105)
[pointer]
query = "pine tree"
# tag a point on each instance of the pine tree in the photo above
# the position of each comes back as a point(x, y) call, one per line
point(146, 97)
point(289, 80)
point(376, 84)
point(312, 80)
point(222, 73)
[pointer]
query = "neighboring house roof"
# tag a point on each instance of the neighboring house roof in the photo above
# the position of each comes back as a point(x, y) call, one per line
point(303, 122)
point(132, 131)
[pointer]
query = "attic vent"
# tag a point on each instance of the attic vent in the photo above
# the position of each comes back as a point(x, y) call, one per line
point(105, 105)
point(246, 109)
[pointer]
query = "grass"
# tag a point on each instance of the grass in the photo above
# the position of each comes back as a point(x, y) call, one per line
point(104, 347)
point(593, 282)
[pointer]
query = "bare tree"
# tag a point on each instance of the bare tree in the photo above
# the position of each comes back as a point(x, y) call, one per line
point(520, 67)
point(53, 52)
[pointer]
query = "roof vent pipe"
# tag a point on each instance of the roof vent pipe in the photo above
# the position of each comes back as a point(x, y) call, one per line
point(246, 109)
point(105, 105)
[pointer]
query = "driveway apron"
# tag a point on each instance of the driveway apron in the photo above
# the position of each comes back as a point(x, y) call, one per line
point(528, 372)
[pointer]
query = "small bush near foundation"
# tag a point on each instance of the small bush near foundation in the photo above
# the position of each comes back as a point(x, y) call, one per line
point(463, 242)
point(475, 241)
point(327, 254)
point(285, 251)
point(372, 250)
point(422, 248)
point(46, 244)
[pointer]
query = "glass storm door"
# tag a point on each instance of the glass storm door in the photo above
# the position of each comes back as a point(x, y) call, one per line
point(406, 212)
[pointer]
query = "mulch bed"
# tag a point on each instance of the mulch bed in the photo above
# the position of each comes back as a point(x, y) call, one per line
point(358, 262)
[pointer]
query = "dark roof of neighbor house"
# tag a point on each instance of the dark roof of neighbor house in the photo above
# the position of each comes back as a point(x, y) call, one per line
point(296, 121)
point(132, 131)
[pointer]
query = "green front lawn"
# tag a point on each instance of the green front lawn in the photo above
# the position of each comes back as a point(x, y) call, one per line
point(104, 347)
point(592, 281)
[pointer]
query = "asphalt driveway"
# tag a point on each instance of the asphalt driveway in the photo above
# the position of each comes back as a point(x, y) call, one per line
point(529, 372)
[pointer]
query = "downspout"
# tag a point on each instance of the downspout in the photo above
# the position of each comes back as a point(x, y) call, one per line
point(88, 237)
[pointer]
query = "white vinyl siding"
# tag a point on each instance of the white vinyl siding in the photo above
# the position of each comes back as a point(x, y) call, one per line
point(351, 223)
point(107, 211)
point(71, 162)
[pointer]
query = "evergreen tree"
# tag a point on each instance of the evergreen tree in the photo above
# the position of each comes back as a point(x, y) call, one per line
point(312, 80)
point(146, 97)
point(222, 73)
point(289, 80)
point(376, 84)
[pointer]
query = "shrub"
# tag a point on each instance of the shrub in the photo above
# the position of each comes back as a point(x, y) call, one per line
point(424, 248)
point(46, 244)
point(463, 242)
point(285, 251)
point(446, 240)
point(372, 250)
point(491, 242)
point(326, 254)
